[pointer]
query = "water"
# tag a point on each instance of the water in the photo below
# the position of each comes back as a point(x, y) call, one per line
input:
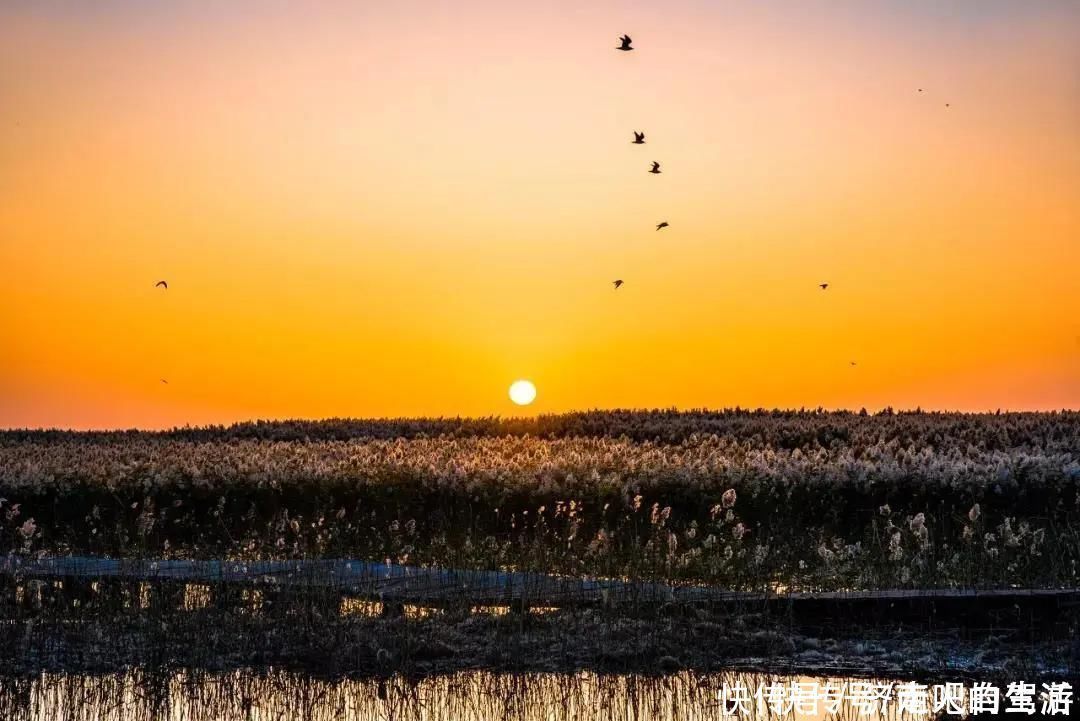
point(466, 696)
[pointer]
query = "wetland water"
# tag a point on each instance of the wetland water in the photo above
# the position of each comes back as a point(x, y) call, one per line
point(466, 696)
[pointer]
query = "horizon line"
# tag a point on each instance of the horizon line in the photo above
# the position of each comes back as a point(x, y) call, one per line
point(882, 411)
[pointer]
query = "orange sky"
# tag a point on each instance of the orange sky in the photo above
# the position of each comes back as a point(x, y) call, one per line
point(372, 209)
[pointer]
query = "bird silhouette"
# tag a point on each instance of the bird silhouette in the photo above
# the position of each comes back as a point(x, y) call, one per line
point(625, 40)
point(920, 90)
point(946, 105)
point(163, 381)
point(161, 284)
point(639, 138)
point(823, 286)
point(617, 283)
point(852, 364)
point(655, 168)
point(664, 224)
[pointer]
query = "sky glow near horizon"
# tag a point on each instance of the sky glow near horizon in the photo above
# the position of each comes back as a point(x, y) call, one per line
point(388, 209)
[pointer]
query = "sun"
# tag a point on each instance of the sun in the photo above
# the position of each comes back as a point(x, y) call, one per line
point(522, 392)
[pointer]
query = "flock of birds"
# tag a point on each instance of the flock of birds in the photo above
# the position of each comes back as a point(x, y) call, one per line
point(625, 45)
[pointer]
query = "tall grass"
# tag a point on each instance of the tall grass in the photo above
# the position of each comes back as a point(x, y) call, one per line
point(747, 500)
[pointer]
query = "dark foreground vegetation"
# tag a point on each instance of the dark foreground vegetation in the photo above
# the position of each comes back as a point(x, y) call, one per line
point(747, 500)
point(751, 501)
point(198, 695)
point(64, 633)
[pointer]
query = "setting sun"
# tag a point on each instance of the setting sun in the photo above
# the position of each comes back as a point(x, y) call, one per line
point(522, 392)
point(283, 203)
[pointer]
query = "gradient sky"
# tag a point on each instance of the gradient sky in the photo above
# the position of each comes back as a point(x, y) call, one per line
point(398, 208)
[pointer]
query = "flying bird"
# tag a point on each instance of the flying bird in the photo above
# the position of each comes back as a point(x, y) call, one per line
point(920, 90)
point(664, 224)
point(625, 40)
point(161, 284)
point(946, 105)
point(163, 381)
point(617, 283)
point(823, 286)
point(639, 138)
point(852, 364)
point(655, 168)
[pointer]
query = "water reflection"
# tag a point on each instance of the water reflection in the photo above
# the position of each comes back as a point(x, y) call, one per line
point(467, 696)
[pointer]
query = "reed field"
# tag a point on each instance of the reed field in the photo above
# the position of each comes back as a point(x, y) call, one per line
point(746, 500)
